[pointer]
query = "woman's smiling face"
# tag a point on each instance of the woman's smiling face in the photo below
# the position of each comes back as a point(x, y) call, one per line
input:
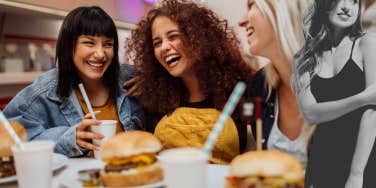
point(345, 13)
point(92, 56)
point(260, 32)
point(169, 48)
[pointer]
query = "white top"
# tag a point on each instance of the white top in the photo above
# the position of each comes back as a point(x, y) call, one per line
point(297, 148)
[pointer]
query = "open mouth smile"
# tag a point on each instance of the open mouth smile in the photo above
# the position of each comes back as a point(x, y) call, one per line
point(96, 65)
point(172, 60)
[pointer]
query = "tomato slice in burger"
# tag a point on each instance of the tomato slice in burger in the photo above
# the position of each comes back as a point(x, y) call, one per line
point(233, 178)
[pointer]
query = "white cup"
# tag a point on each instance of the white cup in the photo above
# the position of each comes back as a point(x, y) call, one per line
point(34, 164)
point(184, 167)
point(108, 129)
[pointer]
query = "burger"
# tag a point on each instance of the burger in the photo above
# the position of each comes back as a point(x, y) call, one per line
point(7, 167)
point(265, 169)
point(130, 159)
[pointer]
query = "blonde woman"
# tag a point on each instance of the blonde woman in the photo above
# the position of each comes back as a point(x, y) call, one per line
point(274, 32)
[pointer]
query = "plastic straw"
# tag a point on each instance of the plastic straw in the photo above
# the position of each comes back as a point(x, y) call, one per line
point(227, 111)
point(9, 128)
point(258, 125)
point(86, 98)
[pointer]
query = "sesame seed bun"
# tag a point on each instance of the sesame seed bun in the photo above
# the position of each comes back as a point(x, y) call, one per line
point(271, 164)
point(130, 143)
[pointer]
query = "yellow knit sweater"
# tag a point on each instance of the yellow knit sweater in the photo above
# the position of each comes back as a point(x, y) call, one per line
point(189, 127)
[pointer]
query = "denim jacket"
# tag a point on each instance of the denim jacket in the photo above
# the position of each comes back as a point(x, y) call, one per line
point(47, 116)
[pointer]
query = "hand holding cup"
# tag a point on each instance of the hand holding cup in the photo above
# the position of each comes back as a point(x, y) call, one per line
point(84, 134)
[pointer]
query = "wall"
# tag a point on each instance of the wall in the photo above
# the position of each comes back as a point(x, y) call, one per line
point(41, 28)
point(123, 10)
point(369, 17)
point(232, 11)
point(36, 26)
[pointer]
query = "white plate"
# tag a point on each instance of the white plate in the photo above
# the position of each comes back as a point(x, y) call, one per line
point(153, 185)
point(216, 175)
point(77, 184)
point(69, 177)
point(8, 179)
point(58, 161)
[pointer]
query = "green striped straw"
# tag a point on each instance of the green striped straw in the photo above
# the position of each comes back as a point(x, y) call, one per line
point(227, 111)
point(9, 128)
point(87, 101)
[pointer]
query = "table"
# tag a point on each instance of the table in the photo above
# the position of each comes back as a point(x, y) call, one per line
point(215, 173)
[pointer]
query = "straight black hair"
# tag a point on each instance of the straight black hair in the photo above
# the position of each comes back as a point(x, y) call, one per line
point(92, 21)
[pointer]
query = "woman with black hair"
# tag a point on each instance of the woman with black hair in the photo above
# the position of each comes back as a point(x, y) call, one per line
point(53, 107)
point(334, 83)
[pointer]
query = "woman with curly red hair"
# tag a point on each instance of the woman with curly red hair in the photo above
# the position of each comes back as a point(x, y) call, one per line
point(189, 61)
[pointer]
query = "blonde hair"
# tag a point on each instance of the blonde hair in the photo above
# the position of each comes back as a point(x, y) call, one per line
point(286, 19)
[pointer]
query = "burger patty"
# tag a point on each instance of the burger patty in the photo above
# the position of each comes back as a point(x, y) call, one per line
point(261, 182)
point(7, 168)
point(127, 163)
point(119, 168)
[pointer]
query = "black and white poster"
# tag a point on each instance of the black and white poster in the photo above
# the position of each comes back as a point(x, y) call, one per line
point(334, 77)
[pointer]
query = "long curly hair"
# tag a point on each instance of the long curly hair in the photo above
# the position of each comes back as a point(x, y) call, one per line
point(317, 33)
point(209, 42)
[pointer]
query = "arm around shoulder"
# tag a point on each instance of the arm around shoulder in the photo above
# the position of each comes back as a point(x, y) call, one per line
point(318, 112)
point(127, 71)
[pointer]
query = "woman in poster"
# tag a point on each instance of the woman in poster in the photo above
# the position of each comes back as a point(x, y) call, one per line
point(333, 78)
